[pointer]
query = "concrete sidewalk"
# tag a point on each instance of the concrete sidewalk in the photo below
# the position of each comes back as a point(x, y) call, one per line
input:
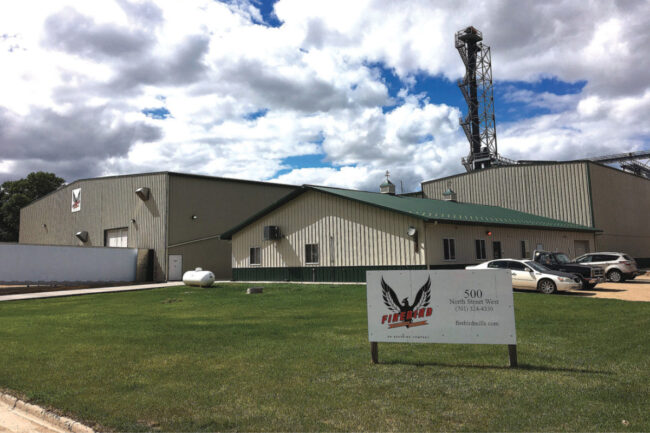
point(78, 292)
point(16, 416)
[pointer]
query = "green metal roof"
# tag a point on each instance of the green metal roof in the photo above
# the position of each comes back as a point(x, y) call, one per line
point(430, 210)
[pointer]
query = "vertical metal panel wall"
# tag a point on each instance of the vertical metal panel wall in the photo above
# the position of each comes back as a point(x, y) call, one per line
point(465, 237)
point(106, 203)
point(559, 191)
point(348, 234)
point(218, 204)
point(622, 210)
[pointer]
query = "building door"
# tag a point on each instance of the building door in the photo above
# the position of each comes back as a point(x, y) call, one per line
point(496, 249)
point(580, 247)
point(116, 237)
point(175, 272)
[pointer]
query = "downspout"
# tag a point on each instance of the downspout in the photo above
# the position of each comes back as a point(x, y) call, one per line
point(426, 243)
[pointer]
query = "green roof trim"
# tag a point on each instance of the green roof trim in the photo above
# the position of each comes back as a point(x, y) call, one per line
point(430, 210)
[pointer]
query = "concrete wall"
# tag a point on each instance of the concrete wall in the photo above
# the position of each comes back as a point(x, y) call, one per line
point(106, 203)
point(45, 263)
point(622, 210)
point(348, 233)
point(466, 235)
point(559, 191)
point(218, 204)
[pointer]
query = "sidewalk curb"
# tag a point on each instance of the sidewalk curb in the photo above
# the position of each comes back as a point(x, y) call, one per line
point(45, 415)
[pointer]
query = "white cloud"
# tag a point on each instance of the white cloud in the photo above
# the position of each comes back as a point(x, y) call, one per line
point(76, 76)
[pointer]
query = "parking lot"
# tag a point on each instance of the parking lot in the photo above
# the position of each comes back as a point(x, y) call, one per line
point(634, 290)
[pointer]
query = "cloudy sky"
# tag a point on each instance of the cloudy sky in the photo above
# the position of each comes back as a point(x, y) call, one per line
point(325, 92)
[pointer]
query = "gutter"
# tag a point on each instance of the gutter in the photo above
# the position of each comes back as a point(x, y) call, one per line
point(194, 241)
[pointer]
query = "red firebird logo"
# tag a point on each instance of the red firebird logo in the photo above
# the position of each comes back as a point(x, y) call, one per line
point(405, 314)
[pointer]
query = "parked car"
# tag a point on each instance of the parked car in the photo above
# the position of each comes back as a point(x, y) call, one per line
point(589, 275)
point(618, 267)
point(527, 274)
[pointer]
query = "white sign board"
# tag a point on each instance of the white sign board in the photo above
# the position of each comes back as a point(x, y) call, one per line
point(449, 306)
point(76, 200)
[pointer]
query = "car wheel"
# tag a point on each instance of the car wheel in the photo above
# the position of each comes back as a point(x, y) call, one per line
point(615, 276)
point(546, 286)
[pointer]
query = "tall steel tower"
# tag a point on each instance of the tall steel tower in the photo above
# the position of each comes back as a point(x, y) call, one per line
point(476, 86)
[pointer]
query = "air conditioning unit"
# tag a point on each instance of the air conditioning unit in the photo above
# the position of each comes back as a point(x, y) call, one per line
point(272, 233)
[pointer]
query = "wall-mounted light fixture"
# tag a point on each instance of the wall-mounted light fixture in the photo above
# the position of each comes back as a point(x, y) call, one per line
point(132, 220)
point(44, 226)
point(143, 193)
point(412, 232)
point(194, 217)
point(488, 232)
point(82, 236)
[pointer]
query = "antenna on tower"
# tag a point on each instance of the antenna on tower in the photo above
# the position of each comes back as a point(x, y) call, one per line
point(476, 86)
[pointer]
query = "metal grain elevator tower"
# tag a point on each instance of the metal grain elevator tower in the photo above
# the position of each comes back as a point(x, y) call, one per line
point(476, 86)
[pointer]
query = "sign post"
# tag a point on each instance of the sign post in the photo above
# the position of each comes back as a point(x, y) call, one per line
point(445, 306)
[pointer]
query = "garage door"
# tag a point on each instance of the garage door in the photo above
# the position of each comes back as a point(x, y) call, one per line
point(116, 237)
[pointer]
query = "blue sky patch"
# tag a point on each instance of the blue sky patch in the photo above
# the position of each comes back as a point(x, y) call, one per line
point(303, 161)
point(256, 114)
point(159, 113)
point(266, 9)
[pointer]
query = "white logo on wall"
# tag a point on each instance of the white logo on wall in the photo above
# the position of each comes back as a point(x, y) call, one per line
point(76, 200)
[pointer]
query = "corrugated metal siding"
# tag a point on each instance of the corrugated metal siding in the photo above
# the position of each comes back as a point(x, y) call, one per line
point(510, 238)
point(105, 204)
point(219, 205)
point(559, 191)
point(621, 204)
point(361, 235)
point(211, 254)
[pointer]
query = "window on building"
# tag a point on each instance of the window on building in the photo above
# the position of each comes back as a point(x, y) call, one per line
point(449, 248)
point(496, 249)
point(256, 256)
point(311, 253)
point(116, 237)
point(480, 249)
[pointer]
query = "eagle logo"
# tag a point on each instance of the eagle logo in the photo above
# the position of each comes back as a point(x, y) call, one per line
point(404, 314)
point(76, 199)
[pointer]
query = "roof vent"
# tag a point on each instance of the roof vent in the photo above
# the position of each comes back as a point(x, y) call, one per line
point(450, 194)
point(387, 187)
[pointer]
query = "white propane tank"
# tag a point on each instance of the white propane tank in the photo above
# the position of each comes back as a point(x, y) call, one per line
point(198, 277)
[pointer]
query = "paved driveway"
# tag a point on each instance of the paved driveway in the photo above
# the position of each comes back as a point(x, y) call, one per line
point(637, 289)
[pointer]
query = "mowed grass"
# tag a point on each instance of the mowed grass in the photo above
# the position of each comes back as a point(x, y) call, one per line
point(297, 358)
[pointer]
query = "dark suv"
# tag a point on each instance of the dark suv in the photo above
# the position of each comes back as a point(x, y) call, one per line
point(589, 275)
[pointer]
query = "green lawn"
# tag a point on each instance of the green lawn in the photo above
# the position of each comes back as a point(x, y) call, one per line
point(296, 358)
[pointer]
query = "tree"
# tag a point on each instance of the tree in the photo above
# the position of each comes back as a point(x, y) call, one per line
point(16, 194)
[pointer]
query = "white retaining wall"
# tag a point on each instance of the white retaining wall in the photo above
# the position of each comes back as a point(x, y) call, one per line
point(20, 263)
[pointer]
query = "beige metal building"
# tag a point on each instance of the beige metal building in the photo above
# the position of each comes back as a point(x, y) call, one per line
point(177, 216)
point(331, 234)
point(581, 192)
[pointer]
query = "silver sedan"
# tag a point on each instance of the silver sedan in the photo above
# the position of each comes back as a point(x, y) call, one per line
point(527, 274)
